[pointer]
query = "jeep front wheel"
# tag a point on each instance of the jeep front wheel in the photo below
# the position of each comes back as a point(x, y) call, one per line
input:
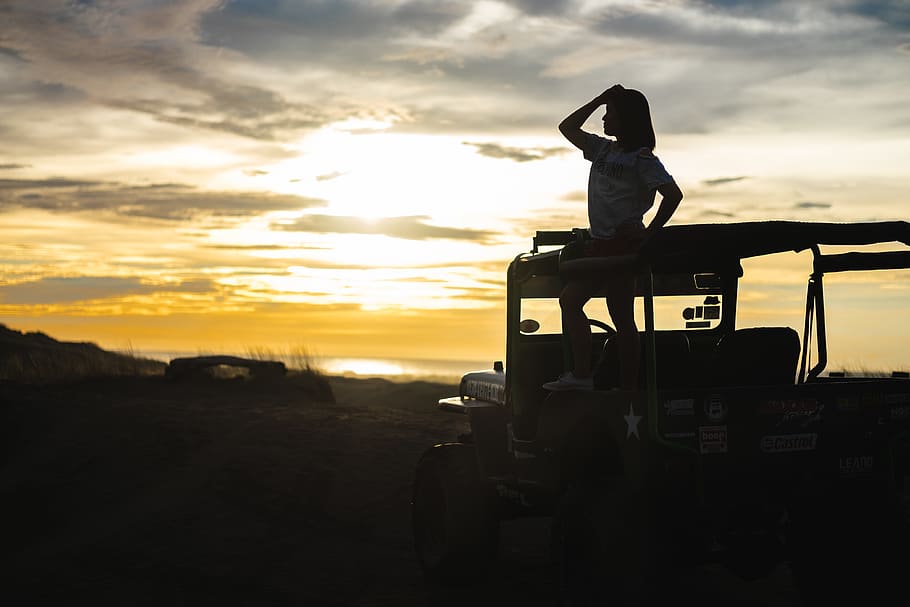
point(456, 534)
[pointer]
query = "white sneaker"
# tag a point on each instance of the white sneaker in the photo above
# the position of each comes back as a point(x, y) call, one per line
point(568, 381)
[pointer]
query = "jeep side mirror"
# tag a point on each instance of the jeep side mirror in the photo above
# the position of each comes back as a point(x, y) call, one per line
point(528, 325)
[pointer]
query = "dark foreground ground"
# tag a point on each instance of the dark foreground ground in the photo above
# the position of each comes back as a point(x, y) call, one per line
point(144, 492)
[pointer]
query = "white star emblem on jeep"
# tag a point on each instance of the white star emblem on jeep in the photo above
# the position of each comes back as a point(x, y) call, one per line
point(632, 422)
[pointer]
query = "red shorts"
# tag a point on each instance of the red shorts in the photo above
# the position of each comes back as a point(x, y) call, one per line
point(627, 240)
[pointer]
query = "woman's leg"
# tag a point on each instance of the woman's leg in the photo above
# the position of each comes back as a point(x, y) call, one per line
point(621, 304)
point(572, 300)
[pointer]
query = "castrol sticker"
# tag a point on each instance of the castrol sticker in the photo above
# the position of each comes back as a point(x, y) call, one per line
point(789, 443)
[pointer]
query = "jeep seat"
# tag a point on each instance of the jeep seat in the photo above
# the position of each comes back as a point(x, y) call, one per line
point(756, 356)
point(673, 361)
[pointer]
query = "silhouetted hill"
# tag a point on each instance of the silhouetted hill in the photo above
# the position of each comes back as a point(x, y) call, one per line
point(36, 357)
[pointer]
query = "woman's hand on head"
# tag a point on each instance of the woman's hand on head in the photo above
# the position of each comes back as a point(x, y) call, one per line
point(610, 92)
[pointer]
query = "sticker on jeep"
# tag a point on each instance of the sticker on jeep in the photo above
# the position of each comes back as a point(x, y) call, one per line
point(800, 412)
point(682, 406)
point(483, 390)
point(715, 409)
point(788, 406)
point(712, 439)
point(788, 443)
point(897, 399)
point(856, 465)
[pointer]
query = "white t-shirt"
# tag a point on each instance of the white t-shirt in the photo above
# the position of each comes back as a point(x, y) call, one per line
point(621, 185)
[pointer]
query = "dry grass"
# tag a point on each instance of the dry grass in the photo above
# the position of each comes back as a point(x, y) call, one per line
point(297, 358)
point(37, 358)
point(862, 371)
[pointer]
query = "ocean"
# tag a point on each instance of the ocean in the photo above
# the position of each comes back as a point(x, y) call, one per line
point(402, 369)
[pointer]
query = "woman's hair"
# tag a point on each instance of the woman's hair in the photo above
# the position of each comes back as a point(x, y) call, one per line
point(636, 130)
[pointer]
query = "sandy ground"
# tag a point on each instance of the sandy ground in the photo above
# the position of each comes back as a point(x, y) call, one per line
point(143, 492)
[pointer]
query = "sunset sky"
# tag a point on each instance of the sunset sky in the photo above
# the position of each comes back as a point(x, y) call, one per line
point(353, 177)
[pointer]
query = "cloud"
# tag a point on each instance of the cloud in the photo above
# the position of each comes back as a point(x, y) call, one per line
point(55, 290)
point(148, 58)
point(270, 70)
point(575, 196)
point(894, 13)
point(231, 110)
point(495, 150)
point(542, 7)
point(722, 181)
point(255, 172)
point(596, 54)
point(50, 182)
point(329, 176)
point(261, 247)
point(157, 201)
point(770, 62)
point(433, 63)
point(812, 205)
point(10, 53)
point(10, 166)
point(408, 228)
point(342, 21)
point(423, 55)
point(715, 213)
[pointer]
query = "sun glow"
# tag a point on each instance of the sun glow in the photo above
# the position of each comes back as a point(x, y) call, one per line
point(381, 174)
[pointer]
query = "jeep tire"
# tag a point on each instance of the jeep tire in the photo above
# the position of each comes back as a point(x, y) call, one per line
point(455, 530)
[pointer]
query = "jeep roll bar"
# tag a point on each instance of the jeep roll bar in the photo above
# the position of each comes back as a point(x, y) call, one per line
point(815, 297)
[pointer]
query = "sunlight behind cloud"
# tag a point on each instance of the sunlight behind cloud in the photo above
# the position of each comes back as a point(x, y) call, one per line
point(187, 156)
point(484, 15)
point(383, 252)
point(390, 175)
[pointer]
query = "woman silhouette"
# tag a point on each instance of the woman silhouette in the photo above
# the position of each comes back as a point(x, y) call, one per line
point(624, 176)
